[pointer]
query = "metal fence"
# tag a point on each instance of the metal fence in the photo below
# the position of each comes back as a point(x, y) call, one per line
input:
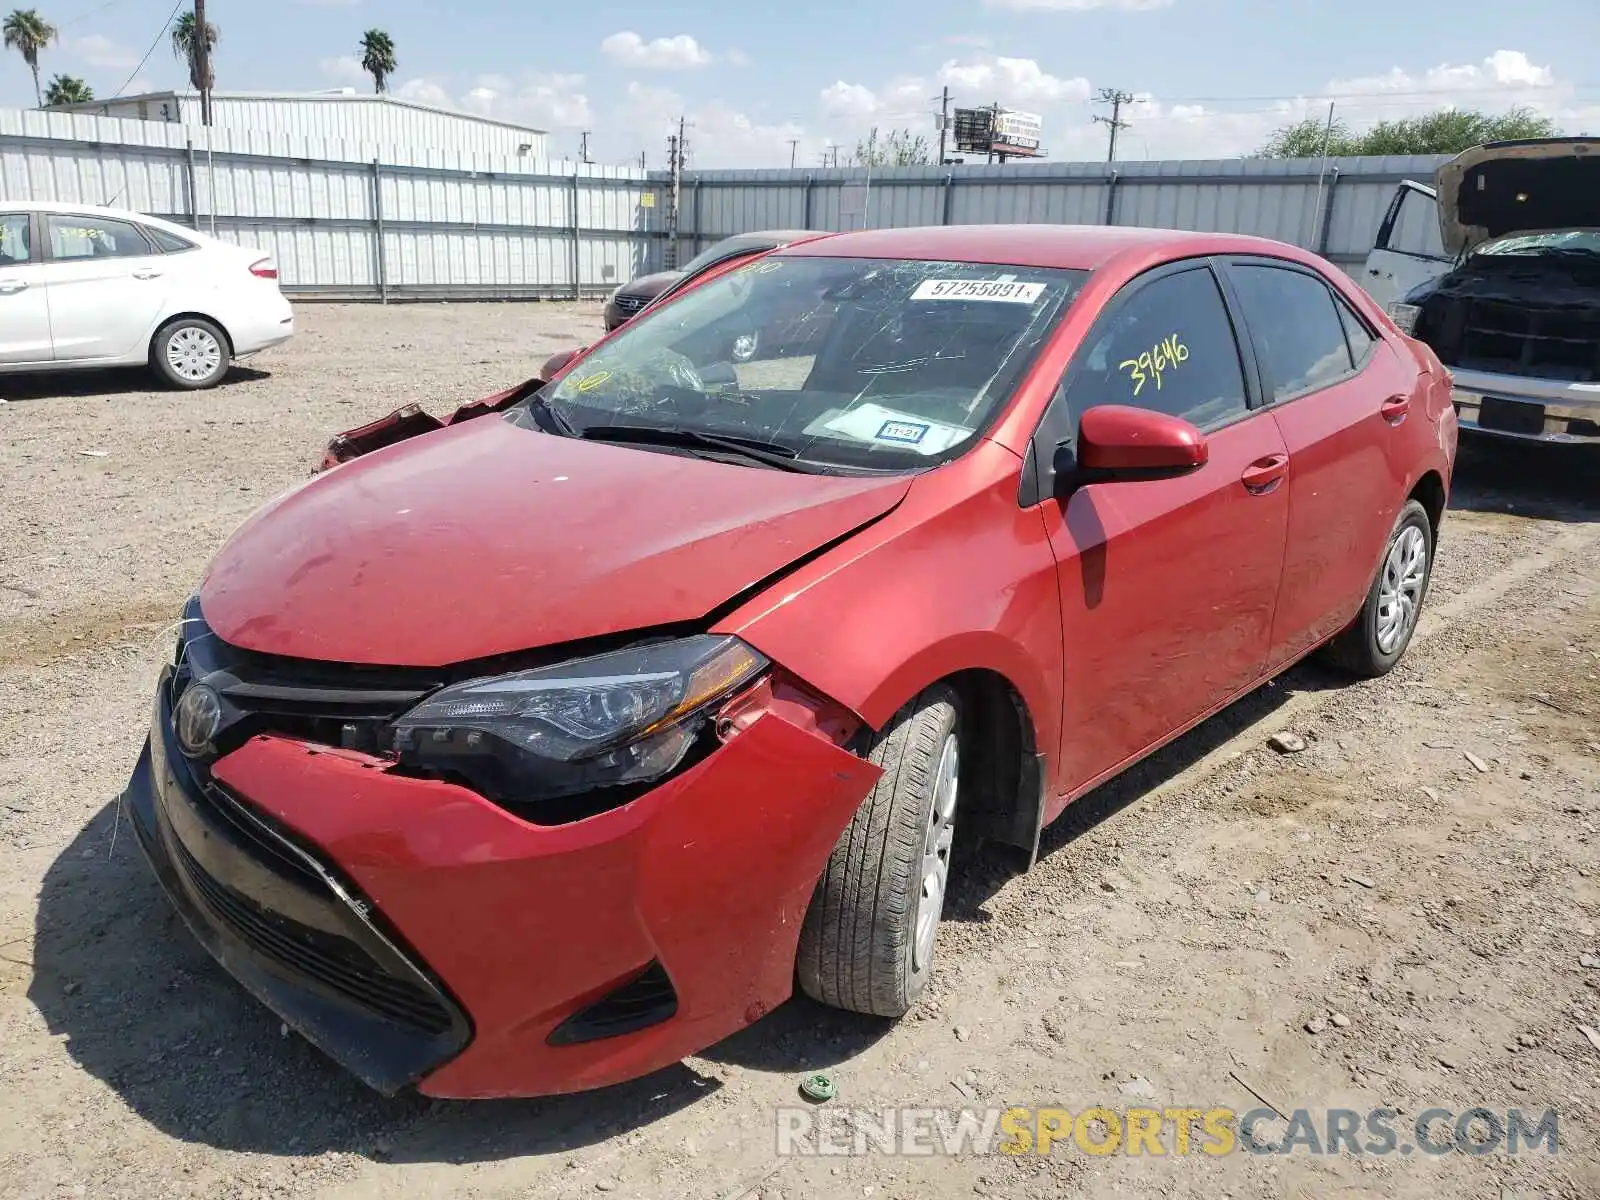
point(425, 224)
point(1333, 208)
point(348, 220)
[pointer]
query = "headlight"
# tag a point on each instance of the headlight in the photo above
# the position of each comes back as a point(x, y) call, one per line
point(626, 717)
point(1405, 316)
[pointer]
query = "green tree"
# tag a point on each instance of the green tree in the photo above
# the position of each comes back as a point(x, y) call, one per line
point(26, 32)
point(1447, 131)
point(1305, 139)
point(377, 57)
point(184, 43)
point(901, 148)
point(65, 89)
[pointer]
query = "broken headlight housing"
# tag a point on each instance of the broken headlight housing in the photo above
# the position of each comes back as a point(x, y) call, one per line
point(627, 717)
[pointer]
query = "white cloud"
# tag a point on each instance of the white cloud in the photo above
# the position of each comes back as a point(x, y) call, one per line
point(1077, 5)
point(663, 53)
point(737, 58)
point(536, 100)
point(100, 51)
point(346, 69)
point(841, 99)
point(1012, 81)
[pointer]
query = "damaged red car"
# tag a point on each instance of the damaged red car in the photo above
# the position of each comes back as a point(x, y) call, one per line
point(537, 752)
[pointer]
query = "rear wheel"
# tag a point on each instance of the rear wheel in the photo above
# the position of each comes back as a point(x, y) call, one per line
point(1377, 639)
point(190, 353)
point(868, 939)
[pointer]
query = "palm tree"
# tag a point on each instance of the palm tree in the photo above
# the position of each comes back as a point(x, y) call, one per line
point(184, 44)
point(377, 57)
point(27, 33)
point(65, 89)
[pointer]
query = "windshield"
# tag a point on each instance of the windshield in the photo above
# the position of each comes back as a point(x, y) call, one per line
point(874, 363)
point(1580, 241)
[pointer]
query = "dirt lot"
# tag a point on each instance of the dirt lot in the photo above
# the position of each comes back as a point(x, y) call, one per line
point(1426, 869)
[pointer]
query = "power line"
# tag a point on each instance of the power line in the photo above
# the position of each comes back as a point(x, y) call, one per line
point(165, 26)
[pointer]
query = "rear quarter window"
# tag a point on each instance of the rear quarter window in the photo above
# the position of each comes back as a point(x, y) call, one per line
point(167, 243)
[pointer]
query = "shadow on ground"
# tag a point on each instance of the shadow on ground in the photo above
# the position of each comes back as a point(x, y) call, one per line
point(1549, 482)
point(117, 381)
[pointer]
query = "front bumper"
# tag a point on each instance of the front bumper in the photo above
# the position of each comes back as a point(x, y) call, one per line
point(1527, 409)
point(509, 930)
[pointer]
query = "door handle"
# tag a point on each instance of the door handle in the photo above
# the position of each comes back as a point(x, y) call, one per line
point(1395, 409)
point(1265, 474)
point(12, 287)
point(147, 273)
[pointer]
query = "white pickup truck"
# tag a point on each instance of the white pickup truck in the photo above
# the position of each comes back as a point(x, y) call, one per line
point(1497, 268)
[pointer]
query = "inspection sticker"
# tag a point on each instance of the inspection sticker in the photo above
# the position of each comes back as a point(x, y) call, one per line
point(1001, 290)
point(902, 431)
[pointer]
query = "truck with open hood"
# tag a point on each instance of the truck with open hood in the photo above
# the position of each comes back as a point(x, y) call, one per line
point(1509, 295)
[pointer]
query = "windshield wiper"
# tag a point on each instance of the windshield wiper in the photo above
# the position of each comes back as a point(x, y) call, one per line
point(772, 454)
point(547, 410)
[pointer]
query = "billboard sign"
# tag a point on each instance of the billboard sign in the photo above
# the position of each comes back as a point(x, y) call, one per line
point(997, 130)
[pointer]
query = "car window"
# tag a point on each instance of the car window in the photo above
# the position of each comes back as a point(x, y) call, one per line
point(73, 238)
point(170, 243)
point(1170, 348)
point(1356, 334)
point(1295, 326)
point(15, 240)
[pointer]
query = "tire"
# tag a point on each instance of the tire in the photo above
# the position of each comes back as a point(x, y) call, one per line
point(1374, 642)
point(859, 945)
point(190, 353)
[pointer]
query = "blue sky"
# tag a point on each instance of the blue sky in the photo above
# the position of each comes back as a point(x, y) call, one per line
point(1213, 76)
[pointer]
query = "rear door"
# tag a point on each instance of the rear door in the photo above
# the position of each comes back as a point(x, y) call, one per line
point(107, 286)
point(1409, 250)
point(1339, 395)
point(24, 311)
point(1167, 587)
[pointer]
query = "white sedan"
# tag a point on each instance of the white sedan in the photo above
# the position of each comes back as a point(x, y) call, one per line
point(85, 287)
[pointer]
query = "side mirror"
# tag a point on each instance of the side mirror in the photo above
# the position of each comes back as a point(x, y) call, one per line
point(1119, 442)
point(557, 363)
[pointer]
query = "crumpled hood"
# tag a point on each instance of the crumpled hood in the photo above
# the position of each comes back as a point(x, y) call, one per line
point(489, 538)
point(1536, 186)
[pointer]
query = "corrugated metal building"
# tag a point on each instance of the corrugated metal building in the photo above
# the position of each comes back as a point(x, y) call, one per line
point(345, 115)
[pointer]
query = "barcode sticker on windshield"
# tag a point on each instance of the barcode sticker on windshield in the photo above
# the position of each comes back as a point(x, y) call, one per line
point(1003, 291)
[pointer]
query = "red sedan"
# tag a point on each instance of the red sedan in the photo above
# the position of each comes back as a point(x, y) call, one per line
point(537, 752)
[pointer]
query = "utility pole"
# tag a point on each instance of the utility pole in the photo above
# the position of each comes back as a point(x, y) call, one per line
point(583, 146)
point(944, 122)
point(1116, 99)
point(794, 149)
point(677, 157)
point(202, 60)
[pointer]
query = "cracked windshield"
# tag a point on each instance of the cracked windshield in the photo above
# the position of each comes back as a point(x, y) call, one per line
point(823, 362)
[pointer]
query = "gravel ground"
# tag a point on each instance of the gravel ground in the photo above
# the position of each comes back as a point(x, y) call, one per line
point(1396, 916)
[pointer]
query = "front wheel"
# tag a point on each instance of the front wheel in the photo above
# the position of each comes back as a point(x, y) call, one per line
point(1378, 637)
point(190, 353)
point(868, 938)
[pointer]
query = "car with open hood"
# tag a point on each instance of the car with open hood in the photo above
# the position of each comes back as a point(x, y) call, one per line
point(536, 752)
point(1508, 295)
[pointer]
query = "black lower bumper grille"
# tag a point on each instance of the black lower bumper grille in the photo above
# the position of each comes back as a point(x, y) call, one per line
point(336, 964)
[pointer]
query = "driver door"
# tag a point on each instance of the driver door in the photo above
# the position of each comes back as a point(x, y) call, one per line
point(1168, 587)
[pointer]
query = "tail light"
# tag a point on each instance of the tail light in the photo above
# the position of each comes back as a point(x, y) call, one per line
point(264, 268)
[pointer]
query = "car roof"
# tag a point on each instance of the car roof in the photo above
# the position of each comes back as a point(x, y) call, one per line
point(1075, 247)
point(97, 210)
